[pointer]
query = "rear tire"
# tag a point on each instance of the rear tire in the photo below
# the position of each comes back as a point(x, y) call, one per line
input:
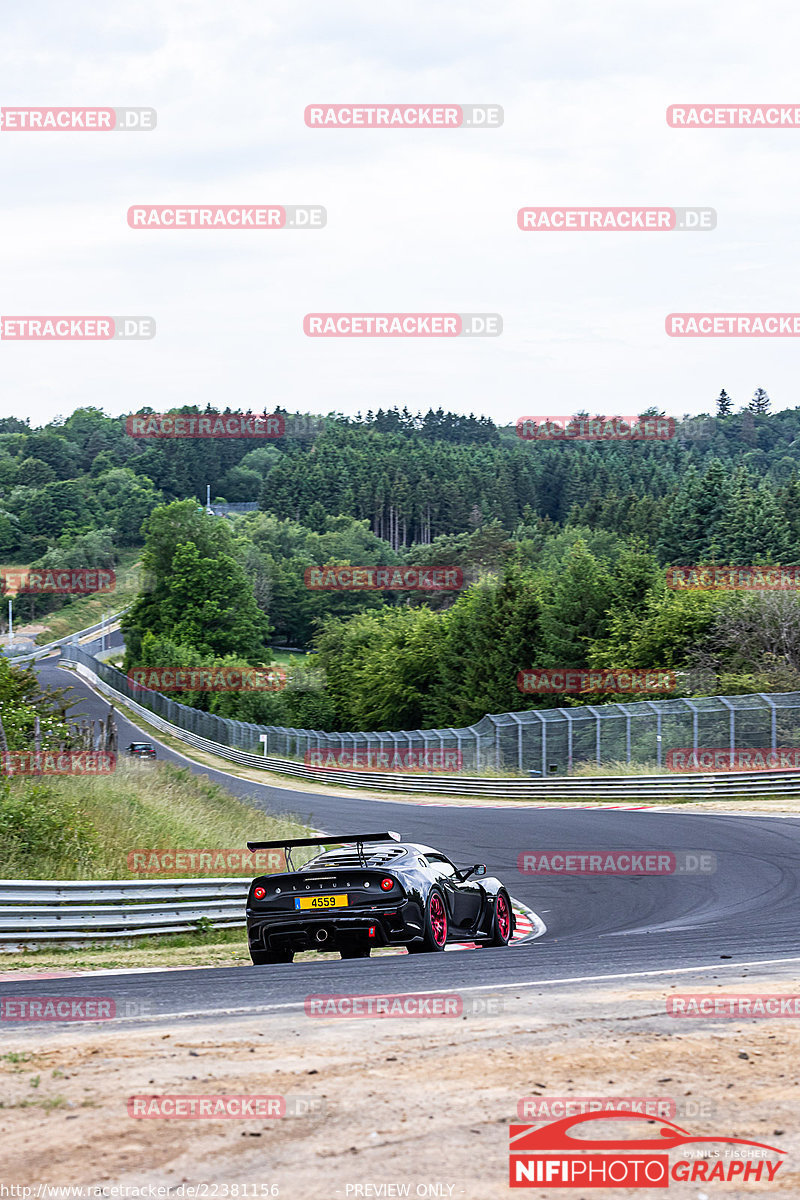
point(435, 935)
point(262, 958)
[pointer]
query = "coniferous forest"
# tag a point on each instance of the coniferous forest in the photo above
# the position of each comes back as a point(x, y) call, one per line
point(563, 546)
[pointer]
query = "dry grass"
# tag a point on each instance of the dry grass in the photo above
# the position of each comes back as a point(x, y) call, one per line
point(590, 770)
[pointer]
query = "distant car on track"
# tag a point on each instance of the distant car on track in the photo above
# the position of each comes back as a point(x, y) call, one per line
point(141, 750)
point(372, 890)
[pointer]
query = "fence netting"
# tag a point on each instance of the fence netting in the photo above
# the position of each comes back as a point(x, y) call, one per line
point(552, 741)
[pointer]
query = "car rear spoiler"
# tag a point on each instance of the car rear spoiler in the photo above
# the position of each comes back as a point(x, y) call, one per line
point(324, 839)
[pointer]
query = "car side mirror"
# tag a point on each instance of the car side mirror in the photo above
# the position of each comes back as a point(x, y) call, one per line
point(477, 869)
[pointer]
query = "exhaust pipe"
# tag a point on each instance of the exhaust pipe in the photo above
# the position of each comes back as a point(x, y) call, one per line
point(321, 935)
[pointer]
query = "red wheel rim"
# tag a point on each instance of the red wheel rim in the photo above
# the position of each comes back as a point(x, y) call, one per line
point(503, 918)
point(438, 920)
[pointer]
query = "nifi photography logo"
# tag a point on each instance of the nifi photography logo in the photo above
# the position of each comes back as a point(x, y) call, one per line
point(573, 1153)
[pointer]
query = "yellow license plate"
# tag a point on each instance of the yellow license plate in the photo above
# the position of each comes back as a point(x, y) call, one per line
point(321, 902)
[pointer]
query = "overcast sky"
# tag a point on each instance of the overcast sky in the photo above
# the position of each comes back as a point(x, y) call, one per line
point(417, 220)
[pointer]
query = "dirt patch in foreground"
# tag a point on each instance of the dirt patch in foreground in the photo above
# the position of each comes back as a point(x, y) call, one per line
point(422, 1104)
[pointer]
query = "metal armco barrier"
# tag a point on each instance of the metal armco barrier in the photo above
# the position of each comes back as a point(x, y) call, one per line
point(34, 913)
point(699, 786)
point(42, 651)
point(547, 743)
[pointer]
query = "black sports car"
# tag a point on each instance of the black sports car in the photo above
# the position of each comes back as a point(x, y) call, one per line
point(141, 750)
point(372, 890)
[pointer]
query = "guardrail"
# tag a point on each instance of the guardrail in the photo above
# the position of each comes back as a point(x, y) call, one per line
point(700, 786)
point(43, 651)
point(34, 913)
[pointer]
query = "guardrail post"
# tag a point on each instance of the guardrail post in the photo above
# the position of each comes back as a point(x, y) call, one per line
point(593, 710)
point(543, 729)
point(568, 715)
point(732, 712)
point(515, 717)
point(496, 741)
point(651, 705)
point(693, 707)
point(773, 720)
point(457, 732)
point(471, 729)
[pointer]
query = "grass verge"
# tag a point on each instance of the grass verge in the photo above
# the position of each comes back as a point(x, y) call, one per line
point(83, 827)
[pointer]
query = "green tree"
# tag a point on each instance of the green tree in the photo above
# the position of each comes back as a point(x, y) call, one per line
point(574, 609)
point(493, 632)
point(127, 499)
point(210, 606)
point(55, 509)
point(34, 472)
point(197, 591)
point(724, 404)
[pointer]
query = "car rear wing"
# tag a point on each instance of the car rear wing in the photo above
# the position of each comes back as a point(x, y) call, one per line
point(324, 839)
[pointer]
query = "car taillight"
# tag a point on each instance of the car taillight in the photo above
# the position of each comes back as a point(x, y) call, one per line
point(387, 884)
point(259, 893)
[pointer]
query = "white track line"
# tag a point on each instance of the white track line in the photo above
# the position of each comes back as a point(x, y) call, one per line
point(294, 1005)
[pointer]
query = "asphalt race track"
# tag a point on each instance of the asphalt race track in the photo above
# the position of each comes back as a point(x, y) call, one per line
point(745, 912)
